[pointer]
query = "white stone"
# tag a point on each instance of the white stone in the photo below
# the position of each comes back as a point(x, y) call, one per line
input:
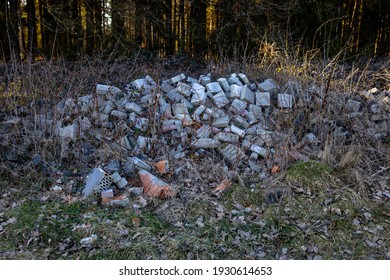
point(184, 89)
point(263, 99)
point(139, 83)
point(220, 100)
point(104, 89)
point(237, 130)
point(234, 80)
point(174, 96)
point(285, 101)
point(119, 114)
point(142, 124)
point(240, 122)
point(140, 164)
point(214, 87)
point(204, 132)
point(180, 108)
point(205, 79)
point(177, 79)
point(232, 154)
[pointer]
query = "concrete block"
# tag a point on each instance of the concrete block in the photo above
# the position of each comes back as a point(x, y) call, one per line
point(138, 84)
point(174, 96)
point(133, 107)
point(224, 84)
point(263, 99)
point(105, 89)
point(268, 86)
point(192, 80)
point(247, 95)
point(140, 164)
point(205, 79)
point(220, 99)
point(238, 106)
point(285, 101)
point(166, 87)
point(233, 80)
point(199, 94)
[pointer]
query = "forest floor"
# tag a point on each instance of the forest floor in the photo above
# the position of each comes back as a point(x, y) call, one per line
point(324, 208)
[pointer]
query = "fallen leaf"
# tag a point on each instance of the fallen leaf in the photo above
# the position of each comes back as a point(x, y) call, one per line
point(222, 186)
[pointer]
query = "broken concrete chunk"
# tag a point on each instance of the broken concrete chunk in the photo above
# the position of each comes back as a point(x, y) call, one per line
point(227, 137)
point(232, 154)
point(184, 89)
point(180, 109)
point(244, 79)
point(268, 86)
point(263, 99)
point(205, 79)
point(259, 150)
point(199, 95)
point(96, 182)
point(220, 100)
point(221, 121)
point(155, 187)
point(122, 183)
point(235, 91)
point(203, 132)
point(237, 106)
point(138, 84)
point(118, 114)
point(177, 79)
point(353, 106)
point(214, 87)
point(247, 95)
point(104, 89)
point(174, 96)
point(233, 79)
point(237, 130)
point(285, 101)
point(118, 201)
point(166, 87)
point(107, 193)
point(205, 143)
point(240, 122)
point(311, 139)
point(133, 107)
point(140, 164)
point(69, 131)
point(224, 84)
point(142, 124)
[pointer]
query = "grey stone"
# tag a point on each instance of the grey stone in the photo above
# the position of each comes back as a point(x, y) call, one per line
point(311, 139)
point(285, 101)
point(232, 154)
point(247, 95)
point(205, 143)
point(268, 86)
point(199, 94)
point(174, 96)
point(122, 183)
point(374, 108)
point(192, 80)
point(263, 99)
point(205, 79)
point(233, 79)
point(142, 143)
point(224, 84)
point(221, 121)
point(220, 99)
point(138, 84)
point(199, 110)
point(133, 107)
point(227, 137)
point(108, 108)
point(214, 87)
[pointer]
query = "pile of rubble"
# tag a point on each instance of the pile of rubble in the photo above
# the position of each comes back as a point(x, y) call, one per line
point(154, 125)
